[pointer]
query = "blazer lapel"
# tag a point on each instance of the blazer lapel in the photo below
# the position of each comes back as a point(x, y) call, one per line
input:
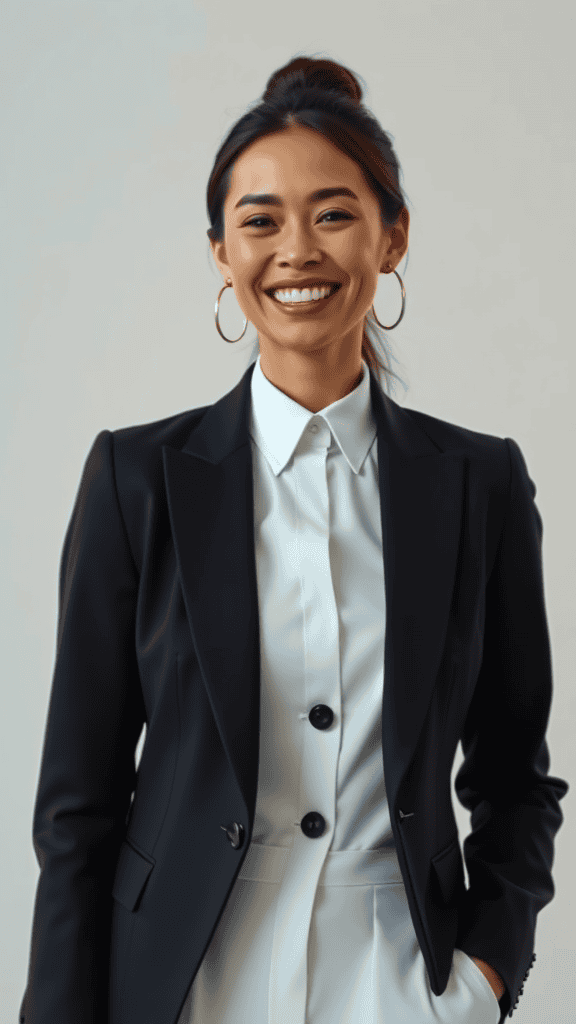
point(210, 499)
point(421, 498)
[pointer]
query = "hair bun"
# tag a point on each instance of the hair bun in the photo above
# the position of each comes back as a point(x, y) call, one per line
point(310, 73)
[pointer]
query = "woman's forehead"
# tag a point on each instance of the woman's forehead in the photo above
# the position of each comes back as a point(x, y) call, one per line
point(290, 163)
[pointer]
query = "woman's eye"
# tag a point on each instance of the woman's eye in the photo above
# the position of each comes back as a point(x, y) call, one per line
point(329, 213)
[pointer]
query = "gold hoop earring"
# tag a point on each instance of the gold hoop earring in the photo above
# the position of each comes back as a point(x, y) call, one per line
point(231, 340)
point(402, 311)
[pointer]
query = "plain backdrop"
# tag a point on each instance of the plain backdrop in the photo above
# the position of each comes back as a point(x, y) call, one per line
point(112, 114)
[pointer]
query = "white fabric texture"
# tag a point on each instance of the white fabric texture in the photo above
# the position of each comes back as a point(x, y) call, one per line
point(318, 930)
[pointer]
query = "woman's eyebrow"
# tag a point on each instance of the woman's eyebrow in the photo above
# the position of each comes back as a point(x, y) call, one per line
point(271, 199)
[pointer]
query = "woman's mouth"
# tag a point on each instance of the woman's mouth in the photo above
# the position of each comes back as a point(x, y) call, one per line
point(305, 307)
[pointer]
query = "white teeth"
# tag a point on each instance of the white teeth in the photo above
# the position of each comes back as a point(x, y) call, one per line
point(303, 295)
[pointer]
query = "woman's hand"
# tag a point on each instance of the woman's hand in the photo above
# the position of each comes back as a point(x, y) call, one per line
point(498, 986)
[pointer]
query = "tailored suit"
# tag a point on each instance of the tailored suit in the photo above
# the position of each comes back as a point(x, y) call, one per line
point(158, 625)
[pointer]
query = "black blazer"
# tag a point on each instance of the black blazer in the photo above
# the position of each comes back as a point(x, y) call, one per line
point(158, 624)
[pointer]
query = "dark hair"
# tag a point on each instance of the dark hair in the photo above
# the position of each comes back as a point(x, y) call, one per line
point(325, 96)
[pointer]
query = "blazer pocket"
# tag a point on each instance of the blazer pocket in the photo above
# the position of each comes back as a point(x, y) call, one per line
point(449, 870)
point(132, 872)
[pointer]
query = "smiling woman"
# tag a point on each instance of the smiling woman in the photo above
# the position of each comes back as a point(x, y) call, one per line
point(309, 595)
point(304, 194)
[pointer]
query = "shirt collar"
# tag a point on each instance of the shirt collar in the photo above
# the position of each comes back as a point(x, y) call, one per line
point(277, 421)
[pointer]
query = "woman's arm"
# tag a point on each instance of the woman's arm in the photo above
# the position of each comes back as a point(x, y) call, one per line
point(504, 779)
point(87, 771)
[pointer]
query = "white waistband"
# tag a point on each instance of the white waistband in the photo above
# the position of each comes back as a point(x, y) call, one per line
point(341, 867)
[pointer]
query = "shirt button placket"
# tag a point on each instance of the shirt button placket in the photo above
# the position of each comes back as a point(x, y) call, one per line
point(317, 796)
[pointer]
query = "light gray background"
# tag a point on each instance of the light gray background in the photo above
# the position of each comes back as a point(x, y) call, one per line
point(112, 113)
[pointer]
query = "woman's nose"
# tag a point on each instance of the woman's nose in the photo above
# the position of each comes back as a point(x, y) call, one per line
point(300, 247)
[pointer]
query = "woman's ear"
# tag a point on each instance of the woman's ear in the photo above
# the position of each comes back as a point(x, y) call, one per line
point(219, 254)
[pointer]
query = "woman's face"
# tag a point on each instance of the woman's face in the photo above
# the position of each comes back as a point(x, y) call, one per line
point(299, 239)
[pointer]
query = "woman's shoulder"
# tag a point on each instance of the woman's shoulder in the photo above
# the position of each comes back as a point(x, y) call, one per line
point(155, 433)
point(136, 452)
point(448, 435)
point(489, 456)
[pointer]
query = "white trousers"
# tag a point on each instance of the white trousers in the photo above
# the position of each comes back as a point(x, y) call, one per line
point(343, 951)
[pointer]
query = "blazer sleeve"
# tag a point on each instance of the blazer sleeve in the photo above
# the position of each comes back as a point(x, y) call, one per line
point(504, 780)
point(87, 769)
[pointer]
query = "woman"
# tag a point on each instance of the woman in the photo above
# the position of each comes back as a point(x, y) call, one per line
point(309, 595)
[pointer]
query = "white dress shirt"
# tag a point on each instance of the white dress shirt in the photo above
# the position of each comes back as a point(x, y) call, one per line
point(317, 928)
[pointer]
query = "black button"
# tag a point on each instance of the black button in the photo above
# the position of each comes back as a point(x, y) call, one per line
point(321, 716)
point(313, 824)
